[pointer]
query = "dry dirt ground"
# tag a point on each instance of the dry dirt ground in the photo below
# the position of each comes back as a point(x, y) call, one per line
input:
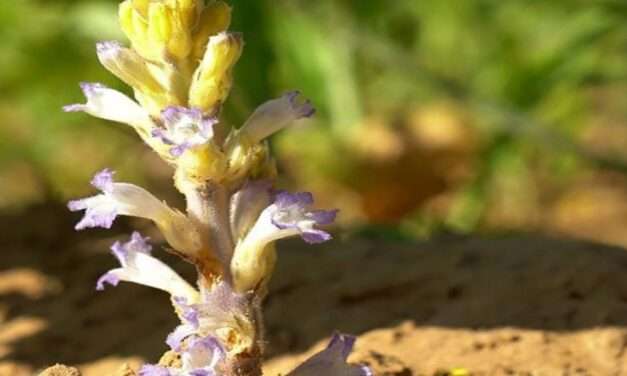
point(508, 305)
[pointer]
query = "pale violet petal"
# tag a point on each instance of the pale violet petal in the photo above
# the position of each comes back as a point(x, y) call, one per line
point(179, 334)
point(203, 354)
point(154, 370)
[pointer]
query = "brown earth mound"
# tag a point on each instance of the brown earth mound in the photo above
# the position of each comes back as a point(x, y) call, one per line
point(513, 305)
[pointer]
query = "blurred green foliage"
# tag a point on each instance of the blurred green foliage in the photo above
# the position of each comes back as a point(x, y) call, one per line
point(525, 76)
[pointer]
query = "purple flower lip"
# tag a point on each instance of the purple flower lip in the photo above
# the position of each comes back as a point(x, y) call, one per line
point(184, 128)
point(109, 278)
point(304, 109)
point(98, 212)
point(108, 46)
point(138, 243)
point(291, 213)
point(88, 89)
point(104, 180)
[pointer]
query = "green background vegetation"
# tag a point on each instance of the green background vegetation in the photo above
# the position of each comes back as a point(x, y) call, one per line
point(434, 115)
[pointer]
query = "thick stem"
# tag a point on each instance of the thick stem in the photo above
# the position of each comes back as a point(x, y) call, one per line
point(208, 207)
point(249, 362)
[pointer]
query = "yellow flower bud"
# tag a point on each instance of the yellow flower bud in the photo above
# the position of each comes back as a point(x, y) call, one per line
point(202, 164)
point(213, 78)
point(215, 18)
point(134, 24)
point(159, 30)
point(128, 66)
point(248, 159)
point(252, 267)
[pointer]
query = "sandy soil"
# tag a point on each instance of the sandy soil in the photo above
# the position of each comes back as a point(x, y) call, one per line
point(509, 305)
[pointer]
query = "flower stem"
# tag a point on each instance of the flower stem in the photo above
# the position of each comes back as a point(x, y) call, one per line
point(208, 207)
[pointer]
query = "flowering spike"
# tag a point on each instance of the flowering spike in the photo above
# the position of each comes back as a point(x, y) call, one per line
point(179, 65)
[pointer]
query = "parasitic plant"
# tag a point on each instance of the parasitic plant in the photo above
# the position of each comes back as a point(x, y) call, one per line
point(179, 64)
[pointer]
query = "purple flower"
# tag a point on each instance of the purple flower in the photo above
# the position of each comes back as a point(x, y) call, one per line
point(219, 308)
point(138, 266)
point(185, 128)
point(254, 256)
point(109, 104)
point(291, 214)
point(128, 199)
point(204, 356)
point(288, 216)
point(332, 360)
point(116, 199)
point(275, 115)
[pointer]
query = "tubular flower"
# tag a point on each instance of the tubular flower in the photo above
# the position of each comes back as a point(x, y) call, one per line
point(128, 66)
point(221, 313)
point(275, 115)
point(332, 360)
point(287, 216)
point(156, 86)
point(109, 104)
point(138, 266)
point(128, 199)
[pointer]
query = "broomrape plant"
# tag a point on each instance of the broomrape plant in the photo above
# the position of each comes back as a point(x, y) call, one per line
point(179, 65)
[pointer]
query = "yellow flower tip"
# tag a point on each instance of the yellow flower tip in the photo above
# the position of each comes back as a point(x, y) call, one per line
point(212, 80)
point(215, 18)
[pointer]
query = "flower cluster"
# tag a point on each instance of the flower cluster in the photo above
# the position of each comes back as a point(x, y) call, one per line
point(179, 66)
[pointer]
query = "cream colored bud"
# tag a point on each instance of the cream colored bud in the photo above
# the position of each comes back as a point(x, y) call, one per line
point(128, 66)
point(212, 80)
point(215, 18)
